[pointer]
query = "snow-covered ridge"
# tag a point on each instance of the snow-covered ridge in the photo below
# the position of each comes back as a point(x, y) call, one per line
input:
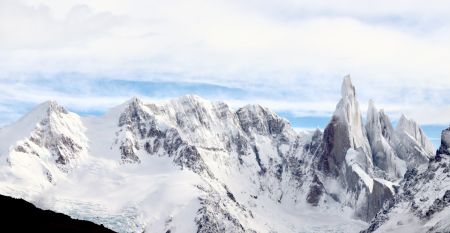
point(191, 165)
point(423, 202)
point(42, 147)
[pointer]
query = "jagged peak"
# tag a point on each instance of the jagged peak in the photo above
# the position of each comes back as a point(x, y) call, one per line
point(403, 118)
point(132, 105)
point(377, 118)
point(373, 124)
point(50, 106)
point(347, 109)
point(20, 129)
point(43, 111)
point(347, 89)
point(372, 112)
point(346, 124)
point(136, 101)
point(189, 99)
point(134, 110)
point(262, 118)
point(386, 124)
point(195, 102)
point(412, 128)
point(445, 142)
point(255, 107)
point(371, 104)
point(405, 121)
point(258, 110)
point(407, 124)
point(48, 103)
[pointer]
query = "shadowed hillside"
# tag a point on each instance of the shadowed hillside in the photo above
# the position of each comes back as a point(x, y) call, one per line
point(21, 216)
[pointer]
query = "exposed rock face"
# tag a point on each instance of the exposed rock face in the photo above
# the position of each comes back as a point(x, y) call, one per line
point(410, 127)
point(345, 131)
point(55, 144)
point(423, 201)
point(411, 142)
point(365, 159)
point(316, 191)
point(445, 142)
point(214, 217)
point(57, 135)
point(364, 192)
point(254, 118)
point(200, 135)
point(133, 122)
point(347, 155)
point(381, 138)
point(143, 133)
point(380, 194)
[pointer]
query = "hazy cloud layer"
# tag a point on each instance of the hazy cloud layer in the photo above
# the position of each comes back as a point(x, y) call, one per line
point(288, 55)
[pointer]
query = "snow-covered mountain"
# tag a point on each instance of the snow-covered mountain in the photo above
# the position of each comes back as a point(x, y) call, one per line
point(423, 201)
point(191, 165)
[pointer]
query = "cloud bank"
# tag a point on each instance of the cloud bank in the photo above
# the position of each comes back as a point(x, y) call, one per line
point(288, 55)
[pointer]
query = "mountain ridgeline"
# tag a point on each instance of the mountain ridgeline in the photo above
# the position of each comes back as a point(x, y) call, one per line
point(191, 165)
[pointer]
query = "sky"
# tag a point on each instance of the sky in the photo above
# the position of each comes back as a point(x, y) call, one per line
point(291, 56)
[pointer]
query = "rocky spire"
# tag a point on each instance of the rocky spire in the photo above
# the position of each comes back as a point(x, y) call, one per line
point(378, 123)
point(410, 143)
point(347, 154)
point(348, 112)
point(345, 131)
point(347, 88)
point(373, 125)
point(445, 142)
point(386, 126)
point(379, 133)
point(412, 129)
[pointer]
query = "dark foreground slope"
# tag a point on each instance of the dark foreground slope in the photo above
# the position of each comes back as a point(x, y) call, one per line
point(21, 216)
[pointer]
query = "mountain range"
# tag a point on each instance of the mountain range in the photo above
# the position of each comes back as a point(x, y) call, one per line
point(192, 165)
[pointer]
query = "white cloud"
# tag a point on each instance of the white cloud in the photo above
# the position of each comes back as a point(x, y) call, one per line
point(396, 51)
